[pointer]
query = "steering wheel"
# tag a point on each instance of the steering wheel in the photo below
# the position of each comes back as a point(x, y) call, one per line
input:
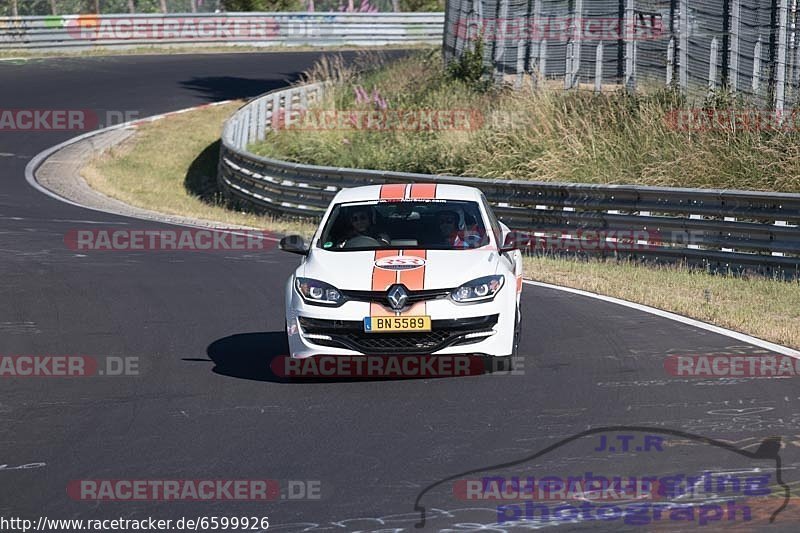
point(361, 241)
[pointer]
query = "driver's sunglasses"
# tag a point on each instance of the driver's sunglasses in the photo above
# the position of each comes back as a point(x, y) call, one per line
point(358, 217)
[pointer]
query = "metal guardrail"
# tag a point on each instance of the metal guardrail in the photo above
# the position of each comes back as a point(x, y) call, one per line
point(718, 229)
point(220, 29)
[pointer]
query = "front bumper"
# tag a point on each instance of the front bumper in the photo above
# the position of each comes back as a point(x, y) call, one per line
point(483, 328)
point(350, 335)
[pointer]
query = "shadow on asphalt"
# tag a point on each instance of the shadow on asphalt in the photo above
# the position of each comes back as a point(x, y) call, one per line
point(201, 177)
point(201, 181)
point(249, 356)
point(216, 88)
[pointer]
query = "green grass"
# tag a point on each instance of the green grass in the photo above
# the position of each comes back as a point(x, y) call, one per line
point(545, 135)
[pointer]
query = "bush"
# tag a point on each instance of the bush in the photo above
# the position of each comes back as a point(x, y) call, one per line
point(469, 67)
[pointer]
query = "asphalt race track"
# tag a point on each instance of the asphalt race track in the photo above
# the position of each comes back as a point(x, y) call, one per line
point(205, 326)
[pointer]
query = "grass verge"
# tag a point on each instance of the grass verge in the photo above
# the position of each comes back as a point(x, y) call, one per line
point(544, 135)
point(170, 166)
point(764, 308)
point(27, 54)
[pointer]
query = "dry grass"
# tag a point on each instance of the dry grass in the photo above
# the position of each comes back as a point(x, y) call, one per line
point(544, 135)
point(170, 166)
point(764, 308)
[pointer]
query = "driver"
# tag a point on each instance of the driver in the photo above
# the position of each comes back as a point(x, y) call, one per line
point(453, 232)
point(448, 227)
point(361, 226)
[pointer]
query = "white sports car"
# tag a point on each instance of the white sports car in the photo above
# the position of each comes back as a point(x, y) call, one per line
point(405, 269)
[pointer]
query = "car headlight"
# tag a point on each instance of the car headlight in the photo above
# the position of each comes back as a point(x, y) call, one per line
point(478, 290)
point(318, 292)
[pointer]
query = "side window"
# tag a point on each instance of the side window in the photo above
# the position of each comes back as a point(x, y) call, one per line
point(498, 233)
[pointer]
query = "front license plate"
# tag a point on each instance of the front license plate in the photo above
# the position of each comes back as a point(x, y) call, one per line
point(386, 324)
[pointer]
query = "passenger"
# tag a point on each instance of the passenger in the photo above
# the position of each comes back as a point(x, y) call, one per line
point(448, 228)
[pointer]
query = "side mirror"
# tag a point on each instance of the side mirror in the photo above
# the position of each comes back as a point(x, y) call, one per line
point(510, 242)
point(293, 244)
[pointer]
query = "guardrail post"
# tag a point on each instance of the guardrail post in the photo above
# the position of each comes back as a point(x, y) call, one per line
point(756, 82)
point(574, 46)
point(261, 119)
point(535, 52)
point(520, 63)
point(501, 27)
point(780, 75)
point(253, 130)
point(779, 223)
point(733, 62)
point(237, 131)
point(796, 69)
point(303, 98)
point(288, 107)
point(712, 65)
point(694, 246)
point(683, 46)
point(568, 67)
point(276, 111)
point(670, 60)
point(598, 68)
point(629, 45)
point(728, 219)
point(542, 60)
point(244, 133)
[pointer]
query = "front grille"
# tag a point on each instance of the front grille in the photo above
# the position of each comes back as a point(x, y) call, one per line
point(349, 334)
point(380, 296)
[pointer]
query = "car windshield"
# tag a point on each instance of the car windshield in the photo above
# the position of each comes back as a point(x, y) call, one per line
point(432, 225)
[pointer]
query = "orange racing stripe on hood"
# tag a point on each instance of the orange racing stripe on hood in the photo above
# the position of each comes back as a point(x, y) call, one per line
point(393, 191)
point(414, 280)
point(423, 191)
point(381, 279)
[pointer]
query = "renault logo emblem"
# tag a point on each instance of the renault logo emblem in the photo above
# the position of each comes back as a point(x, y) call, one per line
point(397, 296)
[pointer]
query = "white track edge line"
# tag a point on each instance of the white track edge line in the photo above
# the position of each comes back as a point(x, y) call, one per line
point(677, 318)
point(37, 160)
